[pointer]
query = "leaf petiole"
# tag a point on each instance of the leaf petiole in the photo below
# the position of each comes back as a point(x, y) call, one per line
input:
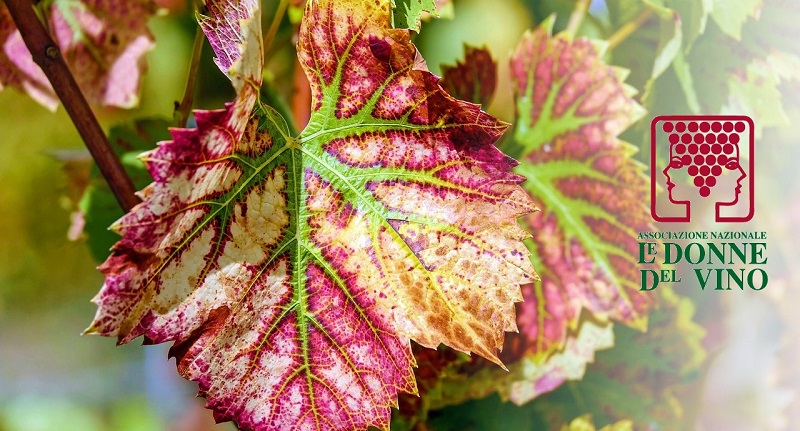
point(577, 16)
point(183, 109)
point(628, 29)
point(276, 22)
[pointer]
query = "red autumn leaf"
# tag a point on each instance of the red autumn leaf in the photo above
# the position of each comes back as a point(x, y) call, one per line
point(571, 108)
point(291, 272)
point(474, 78)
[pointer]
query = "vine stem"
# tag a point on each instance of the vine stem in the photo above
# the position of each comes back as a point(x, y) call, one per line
point(276, 21)
point(183, 110)
point(628, 29)
point(576, 18)
point(47, 55)
point(301, 97)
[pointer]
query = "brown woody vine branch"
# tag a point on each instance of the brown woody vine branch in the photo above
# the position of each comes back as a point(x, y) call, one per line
point(47, 55)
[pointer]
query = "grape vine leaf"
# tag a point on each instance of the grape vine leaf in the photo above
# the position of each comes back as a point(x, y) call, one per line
point(649, 52)
point(694, 17)
point(731, 16)
point(571, 107)
point(473, 79)
point(775, 28)
point(97, 205)
point(291, 272)
point(103, 42)
point(407, 14)
point(234, 33)
point(752, 69)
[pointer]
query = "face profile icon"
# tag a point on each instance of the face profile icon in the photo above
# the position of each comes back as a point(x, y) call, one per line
point(699, 160)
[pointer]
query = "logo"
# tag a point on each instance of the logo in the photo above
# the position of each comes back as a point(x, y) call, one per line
point(699, 158)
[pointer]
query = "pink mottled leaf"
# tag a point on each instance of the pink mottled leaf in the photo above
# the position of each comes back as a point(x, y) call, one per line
point(102, 41)
point(571, 108)
point(233, 29)
point(292, 272)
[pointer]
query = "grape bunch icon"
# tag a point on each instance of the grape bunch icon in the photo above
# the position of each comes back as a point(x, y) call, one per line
point(711, 164)
point(705, 148)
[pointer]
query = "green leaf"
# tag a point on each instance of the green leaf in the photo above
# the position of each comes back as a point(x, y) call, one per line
point(731, 16)
point(756, 94)
point(683, 73)
point(648, 52)
point(291, 272)
point(694, 17)
point(670, 40)
point(407, 14)
point(724, 75)
point(774, 29)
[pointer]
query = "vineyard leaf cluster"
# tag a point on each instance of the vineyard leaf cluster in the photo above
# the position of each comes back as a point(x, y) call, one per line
point(293, 271)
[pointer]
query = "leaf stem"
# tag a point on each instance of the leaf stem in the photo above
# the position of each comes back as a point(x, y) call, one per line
point(301, 97)
point(576, 18)
point(183, 110)
point(46, 54)
point(276, 22)
point(629, 28)
point(273, 99)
